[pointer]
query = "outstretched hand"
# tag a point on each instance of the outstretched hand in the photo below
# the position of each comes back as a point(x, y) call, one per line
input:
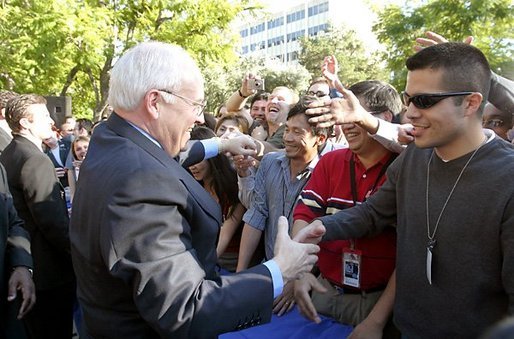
point(239, 144)
point(302, 289)
point(311, 233)
point(434, 39)
point(336, 111)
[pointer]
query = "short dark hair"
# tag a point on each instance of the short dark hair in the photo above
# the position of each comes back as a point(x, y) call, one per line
point(301, 107)
point(17, 109)
point(84, 123)
point(6, 96)
point(240, 121)
point(259, 96)
point(378, 96)
point(465, 67)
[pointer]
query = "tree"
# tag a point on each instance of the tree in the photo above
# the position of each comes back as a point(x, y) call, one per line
point(355, 62)
point(490, 22)
point(68, 47)
point(223, 80)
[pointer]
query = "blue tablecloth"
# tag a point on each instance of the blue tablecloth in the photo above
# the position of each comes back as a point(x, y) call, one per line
point(293, 325)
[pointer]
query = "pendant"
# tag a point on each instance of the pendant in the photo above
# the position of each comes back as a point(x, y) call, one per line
point(430, 247)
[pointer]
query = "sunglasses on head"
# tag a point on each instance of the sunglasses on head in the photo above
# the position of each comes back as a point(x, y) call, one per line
point(427, 100)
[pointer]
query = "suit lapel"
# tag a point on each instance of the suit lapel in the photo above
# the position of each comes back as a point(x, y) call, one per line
point(124, 129)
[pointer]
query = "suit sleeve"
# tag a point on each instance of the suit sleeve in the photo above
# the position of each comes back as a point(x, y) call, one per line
point(18, 239)
point(148, 244)
point(193, 154)
point(45, 201)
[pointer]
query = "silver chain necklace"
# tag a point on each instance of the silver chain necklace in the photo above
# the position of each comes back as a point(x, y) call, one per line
point(431, 237)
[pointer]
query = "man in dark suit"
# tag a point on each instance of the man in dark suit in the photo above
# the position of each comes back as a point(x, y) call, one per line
point(38, 198)
point(5, 131)
point(58, 151)
point(144, 232)
point(15, 264)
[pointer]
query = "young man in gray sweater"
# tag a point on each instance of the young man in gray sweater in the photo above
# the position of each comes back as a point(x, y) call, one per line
point(452, 196)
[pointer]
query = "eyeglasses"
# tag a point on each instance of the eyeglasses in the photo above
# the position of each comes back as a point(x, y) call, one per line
point(319, 94)
point(199, 106)
point(427, 100)
point(493, 123)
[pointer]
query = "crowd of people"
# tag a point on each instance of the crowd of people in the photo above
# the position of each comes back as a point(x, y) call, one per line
point(389, 212)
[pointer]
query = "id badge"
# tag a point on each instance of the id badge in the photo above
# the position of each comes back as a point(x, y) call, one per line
point(351, 270)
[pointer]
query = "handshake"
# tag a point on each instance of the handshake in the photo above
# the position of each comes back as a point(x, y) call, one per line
point(297, 256)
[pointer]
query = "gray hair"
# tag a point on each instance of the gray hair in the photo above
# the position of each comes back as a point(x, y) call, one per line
point(150, 65)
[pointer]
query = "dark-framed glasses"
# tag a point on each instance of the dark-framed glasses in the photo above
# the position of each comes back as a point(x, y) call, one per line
point(199, 106)
point(492, 123)
point(427, 100)
point(319, 94)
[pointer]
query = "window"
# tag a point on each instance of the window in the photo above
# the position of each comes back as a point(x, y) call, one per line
point(298, 15)
point(275, 22)
point(244, 32)
point(313, 31)
point(257, 29)
point(295, 35)
point(317, 9)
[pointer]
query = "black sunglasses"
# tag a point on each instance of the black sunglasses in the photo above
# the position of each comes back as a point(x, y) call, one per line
point(319, 94)
point(427, 100)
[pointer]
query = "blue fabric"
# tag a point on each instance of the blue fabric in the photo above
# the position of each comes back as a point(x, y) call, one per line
point(211, 147)
point(276, 276)
point(293, 326)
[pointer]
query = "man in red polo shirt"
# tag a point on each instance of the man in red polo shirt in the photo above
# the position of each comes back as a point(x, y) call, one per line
point(356, 281)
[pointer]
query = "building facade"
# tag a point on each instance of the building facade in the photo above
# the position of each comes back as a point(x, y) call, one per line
point(276, 35)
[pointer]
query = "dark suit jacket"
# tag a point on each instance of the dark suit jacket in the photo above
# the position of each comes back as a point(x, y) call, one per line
point(14, 239)
point(64, 151)
point(38, 198)
point(5, 139)
point(14, 252)
point(143, 235)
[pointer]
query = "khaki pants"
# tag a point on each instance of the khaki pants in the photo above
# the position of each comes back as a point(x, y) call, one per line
point(347, 308)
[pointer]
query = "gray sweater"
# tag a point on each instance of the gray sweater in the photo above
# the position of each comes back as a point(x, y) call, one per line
point(473, 260)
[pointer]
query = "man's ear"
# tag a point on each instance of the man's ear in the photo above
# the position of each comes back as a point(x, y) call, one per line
point(152, 103)
point(387, 116)
point(24, 123)
point(321, 139)
point(472, 103)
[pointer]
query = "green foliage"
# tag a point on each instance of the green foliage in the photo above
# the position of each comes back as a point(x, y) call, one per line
point(223, 80)
point(66, 47)
point(490, 22)
point(355, 62)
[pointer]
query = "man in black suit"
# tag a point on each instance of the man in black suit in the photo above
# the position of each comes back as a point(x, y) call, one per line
point(58, 151)
point(5, 131)
point(15, 264)
point(144, 232)
point(38, 198)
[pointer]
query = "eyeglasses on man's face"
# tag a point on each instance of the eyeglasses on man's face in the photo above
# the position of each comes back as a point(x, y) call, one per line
point(492, 123)
point(319, 94)
point(427, 100)
point(199, 106)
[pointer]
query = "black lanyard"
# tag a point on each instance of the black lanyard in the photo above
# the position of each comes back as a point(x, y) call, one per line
point(380, 175)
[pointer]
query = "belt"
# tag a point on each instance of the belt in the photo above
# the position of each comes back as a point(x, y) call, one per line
point(346, 290)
